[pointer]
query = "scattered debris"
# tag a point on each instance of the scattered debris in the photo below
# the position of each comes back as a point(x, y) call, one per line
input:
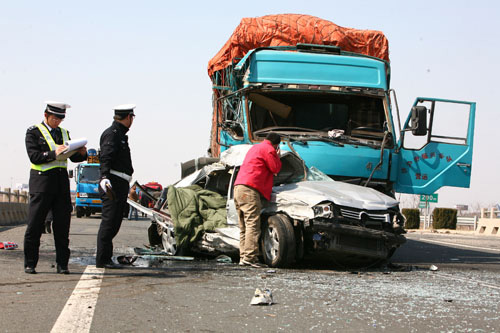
point(271, 271)
point(448, 300)
point(262, 297)
point(8, 245)
point(433, 268)
point(126, 260)
point(223, 258)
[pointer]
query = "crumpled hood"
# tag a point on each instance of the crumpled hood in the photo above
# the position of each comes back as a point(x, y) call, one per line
point(298, 198)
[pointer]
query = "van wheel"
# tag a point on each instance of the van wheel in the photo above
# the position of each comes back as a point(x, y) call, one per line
point(278, 241)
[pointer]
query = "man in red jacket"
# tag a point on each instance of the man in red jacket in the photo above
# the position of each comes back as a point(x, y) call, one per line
point(254, 182)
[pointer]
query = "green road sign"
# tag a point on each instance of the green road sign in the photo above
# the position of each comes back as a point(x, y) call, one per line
point(429, 197)
point(422, 204)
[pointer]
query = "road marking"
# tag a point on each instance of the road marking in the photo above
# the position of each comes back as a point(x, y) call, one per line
point(79, 309)
point(449, 276)
point(459, 245)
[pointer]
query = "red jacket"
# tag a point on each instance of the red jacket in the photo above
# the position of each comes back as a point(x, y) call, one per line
point(257, 171)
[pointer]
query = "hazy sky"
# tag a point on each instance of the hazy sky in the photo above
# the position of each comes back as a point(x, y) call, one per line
point(98, 54)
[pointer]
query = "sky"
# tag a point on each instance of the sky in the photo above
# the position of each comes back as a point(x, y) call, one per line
point(95, 55)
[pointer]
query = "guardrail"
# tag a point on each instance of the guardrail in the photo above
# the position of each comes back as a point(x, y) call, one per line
point(491, 213)
point(462, 222)
point(8, 195)
point(13, 207)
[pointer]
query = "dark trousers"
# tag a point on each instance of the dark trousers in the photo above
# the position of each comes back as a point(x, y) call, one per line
point(40, 204)
point(112, 215)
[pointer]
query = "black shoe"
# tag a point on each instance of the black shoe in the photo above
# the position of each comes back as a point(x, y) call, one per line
point(29, 270)
point(62, 269)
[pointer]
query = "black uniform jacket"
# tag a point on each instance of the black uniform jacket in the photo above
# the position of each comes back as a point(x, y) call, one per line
point(54, 180)
point(115, 152)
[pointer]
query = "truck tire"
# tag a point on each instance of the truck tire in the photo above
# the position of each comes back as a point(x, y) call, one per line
point(278, 241)
point(79, 212)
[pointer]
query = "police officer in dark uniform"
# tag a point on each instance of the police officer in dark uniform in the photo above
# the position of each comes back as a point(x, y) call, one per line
point(116, 173)
point(49, 186)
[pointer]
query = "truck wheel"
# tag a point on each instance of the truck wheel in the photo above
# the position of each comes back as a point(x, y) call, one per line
point(278, 241)
point(88, 212)
point(79, 212)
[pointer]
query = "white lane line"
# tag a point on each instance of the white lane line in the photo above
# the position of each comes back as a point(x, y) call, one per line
point(449, 276)
point(79, 309)
point(458, 245)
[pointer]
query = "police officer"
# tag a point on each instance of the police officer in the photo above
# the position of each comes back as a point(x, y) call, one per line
point(116, 173)
point(49, 186)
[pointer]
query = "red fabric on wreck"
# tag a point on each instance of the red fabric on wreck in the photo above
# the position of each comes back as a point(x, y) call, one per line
point(290, 29)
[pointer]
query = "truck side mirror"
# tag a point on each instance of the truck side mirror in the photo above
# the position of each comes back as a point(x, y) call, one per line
point(70, 173)
point(418, 120)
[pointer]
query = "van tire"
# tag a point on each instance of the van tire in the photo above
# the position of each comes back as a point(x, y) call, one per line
point(278, 241)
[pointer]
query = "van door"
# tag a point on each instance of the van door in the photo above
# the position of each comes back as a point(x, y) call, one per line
point(435, 148)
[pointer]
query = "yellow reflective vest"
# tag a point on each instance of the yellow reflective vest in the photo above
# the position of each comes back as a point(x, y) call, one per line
point(52, 145)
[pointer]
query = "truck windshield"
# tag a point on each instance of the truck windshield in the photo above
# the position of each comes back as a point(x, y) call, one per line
point(90, 174)
point(317, 113)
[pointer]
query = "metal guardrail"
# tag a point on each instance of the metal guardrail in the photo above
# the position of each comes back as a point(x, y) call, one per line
point(426, 221)
point(8, 195)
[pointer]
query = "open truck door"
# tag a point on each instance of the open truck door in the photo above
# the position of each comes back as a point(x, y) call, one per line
point(436, 146)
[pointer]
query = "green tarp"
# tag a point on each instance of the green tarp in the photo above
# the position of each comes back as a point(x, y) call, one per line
point(194, 211)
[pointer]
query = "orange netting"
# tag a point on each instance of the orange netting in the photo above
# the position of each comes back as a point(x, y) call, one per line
point(290, 29)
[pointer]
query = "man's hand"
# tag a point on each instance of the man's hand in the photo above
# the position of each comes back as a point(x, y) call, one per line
point(82, 150)
point(105, 184)
point(60, 149)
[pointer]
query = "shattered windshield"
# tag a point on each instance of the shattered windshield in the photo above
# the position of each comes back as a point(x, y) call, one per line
point(335, 117)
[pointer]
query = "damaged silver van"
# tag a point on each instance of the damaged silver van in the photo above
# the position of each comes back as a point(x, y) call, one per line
point(308, 213)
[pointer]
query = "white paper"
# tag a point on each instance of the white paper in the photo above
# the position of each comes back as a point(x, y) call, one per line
point(74, 144)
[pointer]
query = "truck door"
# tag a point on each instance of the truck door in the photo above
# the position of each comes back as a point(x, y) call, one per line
point(436, 146)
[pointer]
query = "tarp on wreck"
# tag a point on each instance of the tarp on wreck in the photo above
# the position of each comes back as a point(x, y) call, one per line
point(290, 29)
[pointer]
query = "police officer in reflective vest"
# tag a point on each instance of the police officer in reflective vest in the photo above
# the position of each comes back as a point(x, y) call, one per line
point(49, 186)
point(116, 173)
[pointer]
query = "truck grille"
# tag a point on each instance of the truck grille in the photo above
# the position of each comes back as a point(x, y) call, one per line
point(93, 195)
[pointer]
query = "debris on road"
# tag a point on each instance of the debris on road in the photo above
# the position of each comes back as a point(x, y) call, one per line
point(433, 268)
point(8, 245)
point(262, 297)
point(224, 259)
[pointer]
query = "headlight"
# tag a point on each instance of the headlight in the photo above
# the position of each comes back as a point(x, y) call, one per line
point(323, 210)
point(83, 195)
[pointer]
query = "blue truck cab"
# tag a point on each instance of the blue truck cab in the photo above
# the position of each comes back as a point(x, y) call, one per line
point(87, 175)
point(336, 110)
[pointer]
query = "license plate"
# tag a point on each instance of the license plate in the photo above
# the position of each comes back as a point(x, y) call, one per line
point(96, 201)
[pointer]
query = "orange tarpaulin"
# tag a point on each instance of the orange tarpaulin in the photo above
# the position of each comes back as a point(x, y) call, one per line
point(290, 29)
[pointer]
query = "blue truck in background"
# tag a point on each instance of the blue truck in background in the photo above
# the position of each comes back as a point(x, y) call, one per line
point(336, 110)
point(87, 175)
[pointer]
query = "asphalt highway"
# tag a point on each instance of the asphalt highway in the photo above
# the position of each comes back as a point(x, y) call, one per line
point(462, 295)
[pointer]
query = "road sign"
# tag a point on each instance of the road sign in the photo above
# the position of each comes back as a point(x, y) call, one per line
point(422, 204)
point(429, 197)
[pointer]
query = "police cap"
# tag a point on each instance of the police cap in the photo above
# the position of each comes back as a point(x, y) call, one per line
point(124, 110)
point(58, 109)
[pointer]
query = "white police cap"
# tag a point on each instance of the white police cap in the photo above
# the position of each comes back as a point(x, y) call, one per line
point(124, 109)
point(57, 108)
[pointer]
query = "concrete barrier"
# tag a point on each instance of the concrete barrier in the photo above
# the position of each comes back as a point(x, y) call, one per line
point(488, 227)
point(13, 213)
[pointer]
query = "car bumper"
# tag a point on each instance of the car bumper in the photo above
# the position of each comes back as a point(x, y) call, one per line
point(354, 240)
